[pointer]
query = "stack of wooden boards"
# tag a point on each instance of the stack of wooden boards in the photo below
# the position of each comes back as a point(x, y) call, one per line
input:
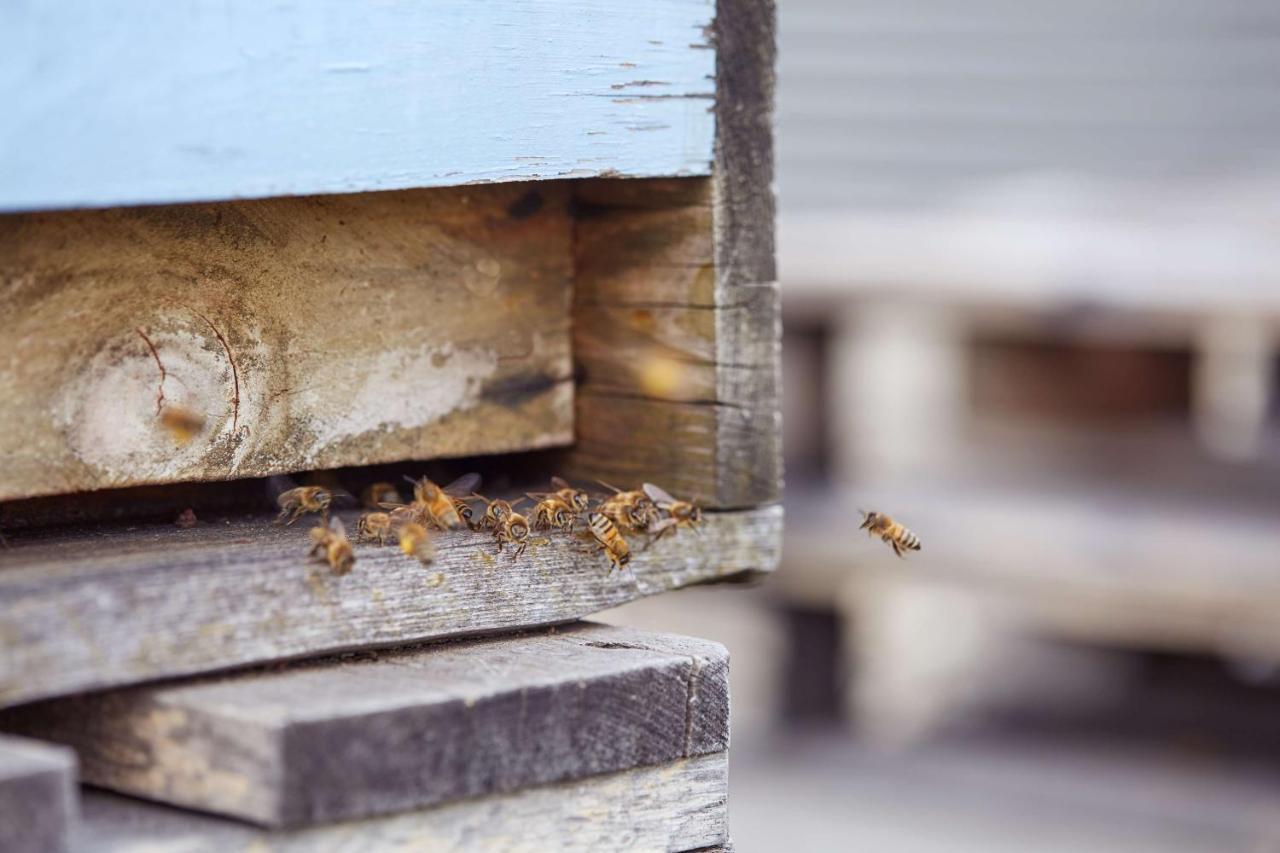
point(580, 737)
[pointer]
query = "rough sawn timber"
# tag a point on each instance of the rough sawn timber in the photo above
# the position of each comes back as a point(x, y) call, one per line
point(668, 807)
point(38, 796)
point(305, 332)
point(86, 610)
point(337, 740)
point(677, 325)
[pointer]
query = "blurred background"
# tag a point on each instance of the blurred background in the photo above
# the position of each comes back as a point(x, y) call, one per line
point(1031, 284)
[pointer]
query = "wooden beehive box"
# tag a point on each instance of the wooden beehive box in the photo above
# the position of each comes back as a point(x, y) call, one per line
point(388, 237)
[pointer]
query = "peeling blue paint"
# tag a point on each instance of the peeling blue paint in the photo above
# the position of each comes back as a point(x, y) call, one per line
point(137, 102)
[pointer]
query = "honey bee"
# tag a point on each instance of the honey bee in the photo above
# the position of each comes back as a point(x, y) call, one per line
point(605, 532)
point(182, 423)
point(679, 513)
point(632, 511)
point(329, 544)
point(465, 512)
point(553, 513)
point(513, 529)
point(898, 537)
point(577, 499)
point(377, 494)
point(495, 512)
point(436, 506)
point(374, 525)
point(415, 541)
point(295, 502)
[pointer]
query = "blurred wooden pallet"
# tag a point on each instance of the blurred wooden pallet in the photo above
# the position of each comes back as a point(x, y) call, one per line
point(38, 797)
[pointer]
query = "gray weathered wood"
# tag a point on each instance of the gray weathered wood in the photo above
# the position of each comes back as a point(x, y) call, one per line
point(38, 796)
point(676, 806)
point(83, 610)
point(677, 318)
point(345, 739)
point(305, 332)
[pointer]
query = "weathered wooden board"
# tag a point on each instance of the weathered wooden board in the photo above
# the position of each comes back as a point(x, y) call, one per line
point(677, 329)
point(307, 333)
point(133, 104)
point(344, 739)
point(38, 796)
point(112, 606)
point(669, 807)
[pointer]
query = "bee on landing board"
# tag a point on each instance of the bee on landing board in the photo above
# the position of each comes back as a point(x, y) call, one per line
point(553, 513)
point(495, 512)
point(633, 511)
point(605, 532)
point(577, 499)
point(898, 537)
point(374, 525)
point(329, 544)
point(296, 502)
point(435, 506)
point(514, 530)
point(415, 541)
point(679, 513)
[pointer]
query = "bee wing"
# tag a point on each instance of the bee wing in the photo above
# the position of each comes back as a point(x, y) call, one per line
point(613, 489)
point(336, 525)
point(390, 505)
point(342, 495)
point(278, 485)
point(657, 494)
point(466, 484)
point(560, 483)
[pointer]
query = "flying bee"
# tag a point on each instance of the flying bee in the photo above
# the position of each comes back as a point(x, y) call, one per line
point(898, 537)
point(329, 543)
point(374, 525)
point(437, 506)
point(605, 532)
point(679, 513)
point(296, 502)
point(514, 530)
point(377, 494)
point(415, 541)
point(633, 510)
point(495, 512)
point(182, 423)
point(553, 513)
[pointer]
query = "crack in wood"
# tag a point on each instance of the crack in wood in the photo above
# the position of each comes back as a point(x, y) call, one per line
point(235, 373)
point(163, 374)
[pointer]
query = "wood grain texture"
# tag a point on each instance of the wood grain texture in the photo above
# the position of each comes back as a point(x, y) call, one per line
point(344, 739)
point(677, 383)
point(307, 333)
point(83, 610)
point(192, 102)
point(677, 327)
point(38, 796)
point(669, 807)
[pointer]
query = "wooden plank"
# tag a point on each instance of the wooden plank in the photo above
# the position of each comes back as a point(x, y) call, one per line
point(345, 739)
point(195, 102)
point(676, 806)
point(38, 796)
point(306, 332)
point(676, 307)
point(110, 606)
